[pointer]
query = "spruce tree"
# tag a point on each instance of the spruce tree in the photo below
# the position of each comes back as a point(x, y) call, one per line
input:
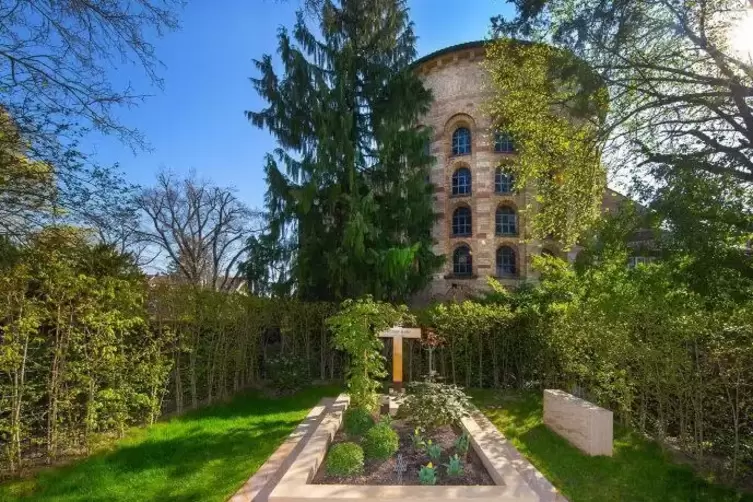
point(349, 178)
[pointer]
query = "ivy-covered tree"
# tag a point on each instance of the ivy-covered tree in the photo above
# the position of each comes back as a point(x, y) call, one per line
point(349, 178)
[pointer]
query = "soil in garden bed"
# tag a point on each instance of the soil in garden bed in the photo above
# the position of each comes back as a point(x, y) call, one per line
point(382, 472)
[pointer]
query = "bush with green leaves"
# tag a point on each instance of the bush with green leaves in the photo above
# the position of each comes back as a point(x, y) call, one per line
point(380, 442)
point(356, 328)
point(345, 459)
point(454, 466)
point(428, 474)
point(357, 421)
point(433, 450)
point(417, 439)
point(287, 374)
point(462, 443)
point(431, 404)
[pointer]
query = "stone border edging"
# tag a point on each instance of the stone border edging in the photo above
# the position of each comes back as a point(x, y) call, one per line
point(538, 483)
point(294, 485)
point(258, 487)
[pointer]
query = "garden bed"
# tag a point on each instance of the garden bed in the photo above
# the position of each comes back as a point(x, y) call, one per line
point(383, 472)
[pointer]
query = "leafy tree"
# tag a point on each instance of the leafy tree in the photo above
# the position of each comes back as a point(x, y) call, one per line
point(55, 58)
point(679, 114)
point(679, 91)
point(348, 181)
point(554, 117)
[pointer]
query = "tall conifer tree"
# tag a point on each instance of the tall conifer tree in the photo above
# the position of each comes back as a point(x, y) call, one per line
point(349, 178)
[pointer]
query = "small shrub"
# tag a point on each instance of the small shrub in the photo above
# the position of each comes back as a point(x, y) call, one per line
point(427, 475)
point(417, 439)
point(454, 467)
point(357, 421)
point(433, 450)
point(345, 459)
point(385, 419)
point(431, 404)
point(380, 442)
point(462, 443)
point(286, 374)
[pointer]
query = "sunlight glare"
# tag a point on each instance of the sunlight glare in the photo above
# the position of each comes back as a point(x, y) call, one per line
point(742, 34)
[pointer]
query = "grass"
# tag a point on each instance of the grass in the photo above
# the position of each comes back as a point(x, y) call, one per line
point(204, 455)
point(638, 471)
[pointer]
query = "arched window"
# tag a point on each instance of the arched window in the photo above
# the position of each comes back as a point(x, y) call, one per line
point(503, 181)
point(461, 222)
point(506, 221)
point(461, 141)
point(506, 266)
point(503, 143)
point(461, 181)
point(462, 261)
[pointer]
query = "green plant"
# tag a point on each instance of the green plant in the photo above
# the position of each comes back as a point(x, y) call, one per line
point(462, 444)
point(355, 330)
point(428, 474)
point(287, 374)
point(380, 442)
point(454, 466)
point(433, 450)
point(345, 459)
point(357, 421)
point(385, 419)
point(417, 439)
point(432, 405)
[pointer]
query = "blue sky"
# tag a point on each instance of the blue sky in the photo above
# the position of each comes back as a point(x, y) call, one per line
point(197, 121)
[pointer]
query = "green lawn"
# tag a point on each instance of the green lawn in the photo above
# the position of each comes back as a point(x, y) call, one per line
point(638, 471)
point(205, 455)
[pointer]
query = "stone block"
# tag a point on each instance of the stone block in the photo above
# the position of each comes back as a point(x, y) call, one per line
point(587, 426)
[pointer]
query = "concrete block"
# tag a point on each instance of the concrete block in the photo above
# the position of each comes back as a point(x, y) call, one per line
point(587, 426)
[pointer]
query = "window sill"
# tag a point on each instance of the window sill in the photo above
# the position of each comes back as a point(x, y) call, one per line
point(455, 277)
point(460, 236)
point(453, 155)
point(506, 235)
point(460, 195)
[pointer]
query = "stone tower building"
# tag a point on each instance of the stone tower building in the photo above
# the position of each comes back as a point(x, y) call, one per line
point(481, 225)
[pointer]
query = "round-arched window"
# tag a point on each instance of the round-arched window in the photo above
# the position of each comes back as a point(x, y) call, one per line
point(461, 181)
point(506, 221)
point(462, 261)
point(506, 266)
point(503, 181)
point(461, 141)
point(462, 222)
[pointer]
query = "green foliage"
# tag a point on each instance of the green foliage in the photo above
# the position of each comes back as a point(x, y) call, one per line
point(344, 459)
point(462, 443)
point(287, 374)
point(357, 421)
point(171, 455)
point(380, 442)
point(355, 330)
point(431, 404)
point(428, 474)
point(454, 466)
point(417, 439)
point(77, 358)
point(639, 469)
point(558, 154)
point(347, 192)
point(433, 450)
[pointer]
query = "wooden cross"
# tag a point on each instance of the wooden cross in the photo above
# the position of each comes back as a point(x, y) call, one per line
point(397, 334)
